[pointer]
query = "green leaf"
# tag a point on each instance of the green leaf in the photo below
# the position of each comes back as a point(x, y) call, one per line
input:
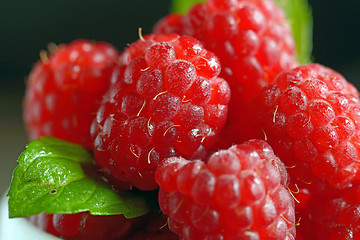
point(298, 14)
point(183, 6)
point(55, 176)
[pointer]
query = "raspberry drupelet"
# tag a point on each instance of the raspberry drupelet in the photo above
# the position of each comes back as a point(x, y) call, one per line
point(65, 89)
point(165, 100)
point(310, 116)
point(237, 194)
point(253, 42)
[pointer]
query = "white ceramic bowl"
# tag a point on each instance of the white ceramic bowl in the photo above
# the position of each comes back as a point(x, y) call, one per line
point(18, 228)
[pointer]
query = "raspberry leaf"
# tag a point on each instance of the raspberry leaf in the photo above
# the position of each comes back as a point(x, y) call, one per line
point(55, 176)
point(183, 6)
point(299, 16)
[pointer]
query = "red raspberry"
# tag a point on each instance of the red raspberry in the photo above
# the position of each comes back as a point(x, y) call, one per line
point(253, 42)
point(310, 116)
point(335, 218)
point(237, 195)
point(64, 91)
point(166, 101)
point(83, 226)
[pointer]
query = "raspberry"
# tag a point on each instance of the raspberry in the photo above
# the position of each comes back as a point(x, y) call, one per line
point(310, 117)
point(253, 42)
point(87, 227)
point(237, 194)
point(334, 218)
point(64, 91)
point(166, 100)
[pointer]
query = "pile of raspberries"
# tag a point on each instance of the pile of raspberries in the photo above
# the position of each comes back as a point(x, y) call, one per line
point(213, 110)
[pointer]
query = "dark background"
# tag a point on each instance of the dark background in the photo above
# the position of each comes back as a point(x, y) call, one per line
point(26, 27)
